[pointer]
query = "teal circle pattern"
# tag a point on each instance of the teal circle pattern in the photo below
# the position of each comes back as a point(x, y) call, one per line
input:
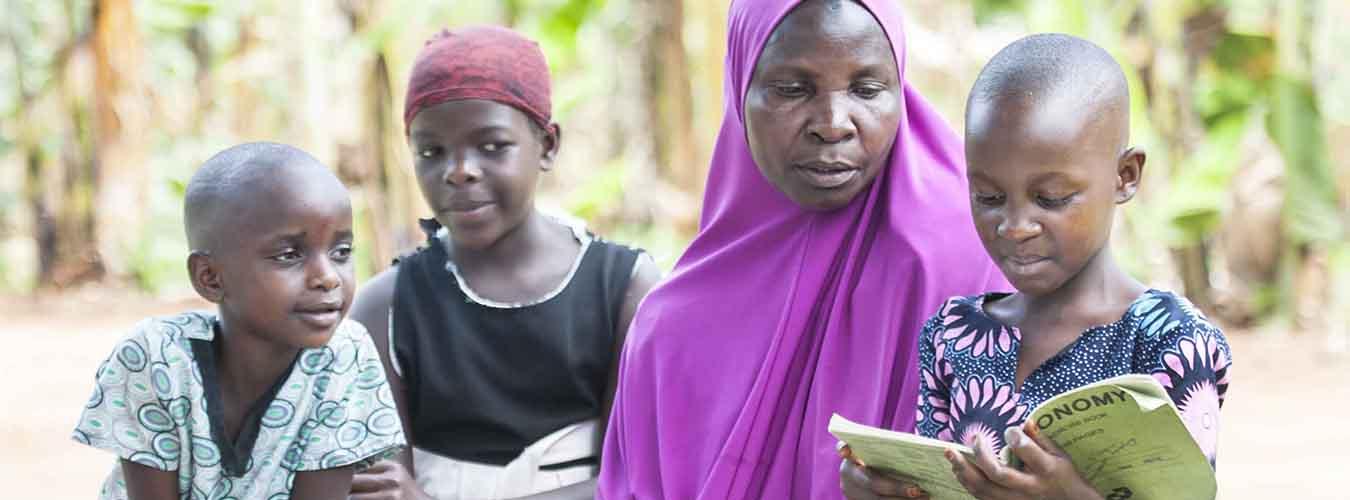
point(160, 379)
point(346, 358)
point(132, 356)
point(222, 489)
point(321, 385)
point(371, 376)
point(204, 452)
point(154, 418)
point(384, 422)
point(149, 460)
point(95, 399)
point(352, 434)
point(180, 409)
point(330, 413)
point(316, 360)
point(291, 460)
point(166, 446)
point(278, 414)
point(338, 458)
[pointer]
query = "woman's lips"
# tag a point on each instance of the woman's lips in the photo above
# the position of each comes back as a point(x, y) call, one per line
point(827, 175)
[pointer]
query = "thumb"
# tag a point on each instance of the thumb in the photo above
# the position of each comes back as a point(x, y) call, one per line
point(1037, 458)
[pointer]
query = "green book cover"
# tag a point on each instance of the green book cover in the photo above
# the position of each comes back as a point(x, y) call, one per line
point(1123, 434)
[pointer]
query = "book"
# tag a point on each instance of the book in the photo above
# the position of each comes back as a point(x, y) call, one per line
point(1123, 434)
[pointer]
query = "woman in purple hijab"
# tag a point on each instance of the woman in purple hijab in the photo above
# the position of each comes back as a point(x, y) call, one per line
point(835, 222)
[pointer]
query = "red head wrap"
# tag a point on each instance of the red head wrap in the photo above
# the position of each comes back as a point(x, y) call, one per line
point(481, 62)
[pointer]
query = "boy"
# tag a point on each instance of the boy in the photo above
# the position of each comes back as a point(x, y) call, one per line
point(274, 395)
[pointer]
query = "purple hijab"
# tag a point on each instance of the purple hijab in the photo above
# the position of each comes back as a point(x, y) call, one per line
point(777, 317)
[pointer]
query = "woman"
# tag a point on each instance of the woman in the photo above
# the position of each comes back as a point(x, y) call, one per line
point(835, 222)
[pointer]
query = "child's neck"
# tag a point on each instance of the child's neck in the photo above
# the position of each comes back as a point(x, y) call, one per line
point(1096, 295)
point(247, 366)
point(521, 244)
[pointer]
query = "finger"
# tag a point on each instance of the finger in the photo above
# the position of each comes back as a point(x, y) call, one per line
point(1033, 453)
point(1030, 430)
point(999, 473)
point(975, 481)
point(366, 482)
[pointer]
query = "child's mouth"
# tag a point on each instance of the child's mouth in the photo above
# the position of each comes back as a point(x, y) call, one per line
point(321, 317)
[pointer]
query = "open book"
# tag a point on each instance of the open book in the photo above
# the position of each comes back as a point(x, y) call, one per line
point(1123, 434)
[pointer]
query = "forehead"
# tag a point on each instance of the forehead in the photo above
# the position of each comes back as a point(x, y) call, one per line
point(291, 199)
point(816, 30)
point(469, 115)
point(1047, 132)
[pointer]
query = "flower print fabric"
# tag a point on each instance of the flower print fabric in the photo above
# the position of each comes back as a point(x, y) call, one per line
point(968, 363)
point(149, 406)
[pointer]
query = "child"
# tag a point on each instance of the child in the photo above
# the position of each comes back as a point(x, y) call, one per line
point(274, 395)
point(1046, 141)
point(502, 333)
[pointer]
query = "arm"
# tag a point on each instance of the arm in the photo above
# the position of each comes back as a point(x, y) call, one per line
point(645, 277)
point(327, 484)
point(391, 478)
point(148, 483)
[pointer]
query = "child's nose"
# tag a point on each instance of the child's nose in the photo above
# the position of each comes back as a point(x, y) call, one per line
point(1018, 227)
point(462, 171)
point(325, 275)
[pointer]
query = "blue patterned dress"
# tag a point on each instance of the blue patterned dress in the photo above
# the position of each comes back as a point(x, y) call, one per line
point(150, 406)
point(968, 363)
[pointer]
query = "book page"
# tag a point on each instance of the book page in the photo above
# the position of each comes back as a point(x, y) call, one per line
point(1126, 438)
point(904, 455)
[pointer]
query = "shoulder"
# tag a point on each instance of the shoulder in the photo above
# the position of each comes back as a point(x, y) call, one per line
point(1160, 314)
point(163, 339)
point(373, 299)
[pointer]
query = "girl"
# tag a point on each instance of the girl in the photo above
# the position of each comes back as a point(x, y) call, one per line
point(1047, 131)
point(501, 335)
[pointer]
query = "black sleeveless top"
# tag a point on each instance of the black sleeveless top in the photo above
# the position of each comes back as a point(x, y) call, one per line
point(486, 380)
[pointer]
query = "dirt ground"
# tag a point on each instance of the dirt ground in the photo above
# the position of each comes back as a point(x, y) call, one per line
point(1285, 433)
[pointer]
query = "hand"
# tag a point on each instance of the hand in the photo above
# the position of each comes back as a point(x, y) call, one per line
point(860, 483)
point(1049, 474)
point(386, 480)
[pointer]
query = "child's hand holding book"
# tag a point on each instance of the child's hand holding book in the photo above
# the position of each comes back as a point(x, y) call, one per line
point(1046, 473)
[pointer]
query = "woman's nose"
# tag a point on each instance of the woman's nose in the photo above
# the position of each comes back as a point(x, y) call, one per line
point(831, 122)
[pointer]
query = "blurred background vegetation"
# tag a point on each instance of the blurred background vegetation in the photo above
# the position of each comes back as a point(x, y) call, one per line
point(107, 105)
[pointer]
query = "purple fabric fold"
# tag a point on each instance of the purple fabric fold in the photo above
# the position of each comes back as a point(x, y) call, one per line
point(777, 317)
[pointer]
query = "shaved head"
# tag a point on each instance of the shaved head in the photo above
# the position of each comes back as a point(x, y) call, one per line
point(229, 183)
point(1051, 80)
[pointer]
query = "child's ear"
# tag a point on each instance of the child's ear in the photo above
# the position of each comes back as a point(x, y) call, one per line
point(205, 277)
point(551, 144)
point(1129, 172)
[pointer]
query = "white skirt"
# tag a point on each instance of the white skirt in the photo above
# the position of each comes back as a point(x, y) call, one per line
point(445, 478)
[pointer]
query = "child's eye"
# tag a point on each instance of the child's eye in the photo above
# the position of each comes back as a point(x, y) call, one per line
point(288, 255)
point(1053, 202)
point(495, 147)
point(988, 199)
point(429, 152)
point(342, 252)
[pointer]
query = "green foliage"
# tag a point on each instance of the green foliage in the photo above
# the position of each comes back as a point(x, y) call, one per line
point(1311, 212)
point(1201, 184)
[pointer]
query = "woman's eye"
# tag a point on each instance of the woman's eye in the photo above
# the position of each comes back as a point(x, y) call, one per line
point(790, 90)
point(867, 91)
point(429, 152)
point(1053, 202)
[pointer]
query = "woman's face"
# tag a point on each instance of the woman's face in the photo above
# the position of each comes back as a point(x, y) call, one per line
point(824, 103)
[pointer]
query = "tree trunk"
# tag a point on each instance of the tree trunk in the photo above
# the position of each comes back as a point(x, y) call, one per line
point(668, 99)
point(121, 178)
